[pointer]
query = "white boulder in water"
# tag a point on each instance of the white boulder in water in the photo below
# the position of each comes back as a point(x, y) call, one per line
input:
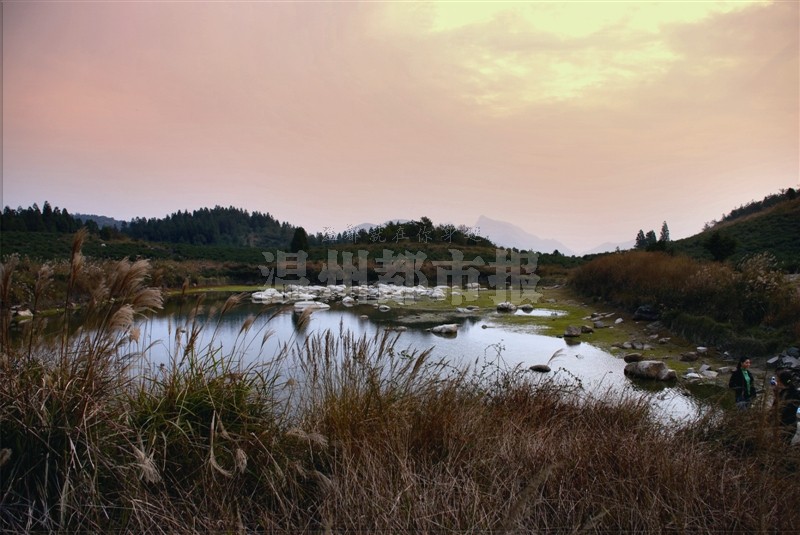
point(270, 294)
point(312, 305)
point(449, 328)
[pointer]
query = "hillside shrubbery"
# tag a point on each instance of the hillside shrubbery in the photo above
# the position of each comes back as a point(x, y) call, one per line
point(710, 302)
point(770, 226)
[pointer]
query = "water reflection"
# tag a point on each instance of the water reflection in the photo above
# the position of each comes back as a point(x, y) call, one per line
point(479, 338)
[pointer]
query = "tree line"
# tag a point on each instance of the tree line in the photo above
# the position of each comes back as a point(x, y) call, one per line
point(392, 233)
point(206, 226)
point(649, 242)
point(720, 246)
point(236, 227)
point(212, 226)
point(34, 219)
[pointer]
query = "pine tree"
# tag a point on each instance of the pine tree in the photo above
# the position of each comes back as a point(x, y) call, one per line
point(299, 240)
point(664, 237)
point(641, 242)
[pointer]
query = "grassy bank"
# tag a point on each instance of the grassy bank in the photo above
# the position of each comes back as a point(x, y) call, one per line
point(346, 434)
point(750, 308)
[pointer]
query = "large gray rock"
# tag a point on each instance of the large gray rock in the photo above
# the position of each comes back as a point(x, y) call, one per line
point(633, 357)
point(506, 306)
point(650, 369)
point(572, 331)
point(449, 328)
point(790, 362)
point(646, 313)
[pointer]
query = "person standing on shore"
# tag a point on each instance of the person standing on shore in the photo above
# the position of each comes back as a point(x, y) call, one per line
point(743, 384)
point(787, 400)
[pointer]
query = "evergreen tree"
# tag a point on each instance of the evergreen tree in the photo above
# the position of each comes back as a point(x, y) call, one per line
point(664, 237)
point(47, 217)
point(299, 240)
point(33, 219)
point(641, 241)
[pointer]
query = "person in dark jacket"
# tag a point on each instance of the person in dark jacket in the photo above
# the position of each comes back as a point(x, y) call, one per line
point(787, 400)
point(743, 384)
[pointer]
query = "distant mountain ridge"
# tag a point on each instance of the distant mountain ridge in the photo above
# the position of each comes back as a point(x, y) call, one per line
point(101, 220)
point(508, 235)
point(771, 225)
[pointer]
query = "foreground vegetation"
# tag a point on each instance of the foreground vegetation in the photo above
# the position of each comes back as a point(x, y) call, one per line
point(343, 434)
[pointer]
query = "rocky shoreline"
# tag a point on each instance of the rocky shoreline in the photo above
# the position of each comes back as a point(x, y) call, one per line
point(649, 349)
point(640, 337)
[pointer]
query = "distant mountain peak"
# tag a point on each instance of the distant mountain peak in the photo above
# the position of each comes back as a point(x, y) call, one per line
point(509, 235)
point(101, 220)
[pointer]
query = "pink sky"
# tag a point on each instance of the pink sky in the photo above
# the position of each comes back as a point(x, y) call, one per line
point(578, 122)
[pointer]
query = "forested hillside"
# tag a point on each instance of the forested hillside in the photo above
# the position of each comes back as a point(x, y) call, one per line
point(213, 226)
point(771, 226)
point(33, 219)
point(207, 226)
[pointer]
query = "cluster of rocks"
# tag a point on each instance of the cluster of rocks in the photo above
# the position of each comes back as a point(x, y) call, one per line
point(602, 320)
point(348, 295)
point(527, 308)
point(633, 344)
point(507, 306)
point(706, 372)
point(315, 297)
point(789, 358)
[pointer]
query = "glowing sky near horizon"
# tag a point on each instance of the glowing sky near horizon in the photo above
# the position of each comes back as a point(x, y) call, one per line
point(577, 121)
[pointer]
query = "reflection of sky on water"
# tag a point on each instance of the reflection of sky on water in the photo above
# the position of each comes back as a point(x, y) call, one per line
point(479, 340)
